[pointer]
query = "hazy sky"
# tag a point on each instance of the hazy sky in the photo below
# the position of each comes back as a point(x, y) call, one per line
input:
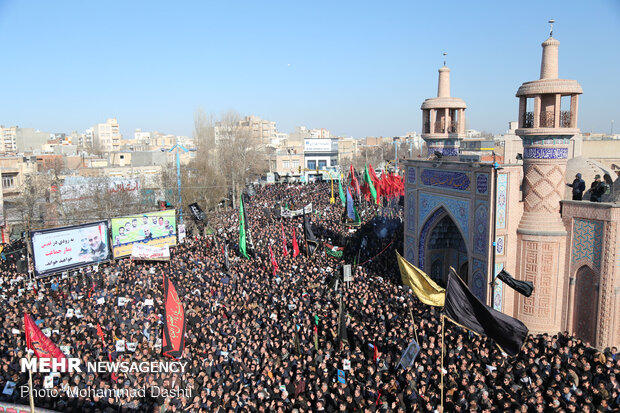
point(357, 68)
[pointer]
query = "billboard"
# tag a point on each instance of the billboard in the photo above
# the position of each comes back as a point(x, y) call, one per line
point(153, 228)
point(319, 145)
point(61, 249)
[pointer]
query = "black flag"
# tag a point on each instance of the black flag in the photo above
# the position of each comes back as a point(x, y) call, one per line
point(311, 241)
point(524, 287)
point(464, 309)
point(342, 323)
point(197, 212)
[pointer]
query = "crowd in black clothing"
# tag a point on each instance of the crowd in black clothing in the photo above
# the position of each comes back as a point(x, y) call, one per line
point(251, 335)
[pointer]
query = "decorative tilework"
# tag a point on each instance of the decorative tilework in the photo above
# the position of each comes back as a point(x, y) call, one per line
point(445, 179)
point(410, 249)
point(481, 227)
point(458, 208)
point(545, 153)
point(411, 175)
point(499, 287)
point(499, 245)
point(444, 151)
point(430, 223)
point(502, 186)
point(411, 204)
point(482, 184)
point(479, 280)
point(587, 241)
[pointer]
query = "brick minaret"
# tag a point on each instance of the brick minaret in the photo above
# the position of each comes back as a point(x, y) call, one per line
point(546, 129)
point(443, 119)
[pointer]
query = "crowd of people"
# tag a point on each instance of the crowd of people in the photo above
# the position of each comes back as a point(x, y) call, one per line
point(259, 342)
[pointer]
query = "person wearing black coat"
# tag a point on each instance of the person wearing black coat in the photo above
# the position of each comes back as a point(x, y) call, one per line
point(579, 187)
point(597, 189)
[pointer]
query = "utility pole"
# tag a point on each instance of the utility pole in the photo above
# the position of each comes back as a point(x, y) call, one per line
point(178, 146)
point(396, 138)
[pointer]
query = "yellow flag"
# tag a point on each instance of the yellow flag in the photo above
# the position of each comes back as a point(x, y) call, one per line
point(423, 287)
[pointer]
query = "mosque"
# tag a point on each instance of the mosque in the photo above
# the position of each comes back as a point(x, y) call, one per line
point(480, 218)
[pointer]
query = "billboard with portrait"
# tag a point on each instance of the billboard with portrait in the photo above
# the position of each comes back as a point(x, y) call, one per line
point(152, 228)
point(61, 249)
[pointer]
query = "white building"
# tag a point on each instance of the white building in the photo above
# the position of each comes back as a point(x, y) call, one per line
point(107, 136)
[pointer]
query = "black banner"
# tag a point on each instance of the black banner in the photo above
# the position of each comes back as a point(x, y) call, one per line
point(524, 287)
point(197, 212)
point(464, 309)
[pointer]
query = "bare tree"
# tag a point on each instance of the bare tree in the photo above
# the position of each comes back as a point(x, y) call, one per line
point(239, 155)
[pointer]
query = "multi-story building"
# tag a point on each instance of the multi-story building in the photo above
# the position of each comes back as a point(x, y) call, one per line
point(261, 131)
point(7, 136)
point(107, 136)
point(320, 133)
point(30, 139)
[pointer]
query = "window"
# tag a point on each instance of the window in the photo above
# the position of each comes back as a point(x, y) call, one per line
point(7, 182)
point(286, 164)
point(311, 164)
point(295, 164)
point(322, 163)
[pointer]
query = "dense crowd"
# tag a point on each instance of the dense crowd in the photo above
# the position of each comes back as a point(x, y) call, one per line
point(251, 344)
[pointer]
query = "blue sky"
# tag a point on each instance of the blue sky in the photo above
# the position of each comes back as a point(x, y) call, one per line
point(357, 68)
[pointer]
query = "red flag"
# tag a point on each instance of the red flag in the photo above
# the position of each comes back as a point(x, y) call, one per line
point(43, 347)
point(100, 334)
point(284, 250)
point(354, 183)
point(295, 246)
point(274, 263)
point(174, 322)
point(375, 355)
point(92, 288)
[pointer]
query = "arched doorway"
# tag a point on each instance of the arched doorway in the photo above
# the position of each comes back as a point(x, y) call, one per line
point(586, 304)
point(446, 248)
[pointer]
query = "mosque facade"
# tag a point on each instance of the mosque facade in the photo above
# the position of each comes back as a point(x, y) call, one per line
point(480, 218)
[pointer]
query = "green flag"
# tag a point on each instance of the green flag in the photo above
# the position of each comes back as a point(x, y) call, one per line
point(341, 192)
point(367, 179)
point(242, 243)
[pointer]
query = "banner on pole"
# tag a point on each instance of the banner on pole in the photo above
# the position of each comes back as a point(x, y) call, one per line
point(153, 228)
point(285, 213)
point(65, 248)
point(150, 253)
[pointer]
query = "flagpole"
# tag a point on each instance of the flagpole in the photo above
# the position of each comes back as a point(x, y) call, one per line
point(415, 330)
point(30, 396)
point(443, 338)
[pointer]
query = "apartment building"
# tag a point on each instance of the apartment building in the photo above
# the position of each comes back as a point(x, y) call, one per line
point(107, 136)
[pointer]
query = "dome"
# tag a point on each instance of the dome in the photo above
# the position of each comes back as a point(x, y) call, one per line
point(588, 168)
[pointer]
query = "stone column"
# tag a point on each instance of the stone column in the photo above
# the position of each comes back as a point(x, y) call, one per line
point(557, 109)
point(537, 111)
point(574, 108)
point(522, 109)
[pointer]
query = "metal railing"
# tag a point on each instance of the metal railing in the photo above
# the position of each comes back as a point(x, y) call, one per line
point(547, 119)
point(427, 127)
point(528, 120)
point(453, 127)
point(565, 119)
point(439, 127)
